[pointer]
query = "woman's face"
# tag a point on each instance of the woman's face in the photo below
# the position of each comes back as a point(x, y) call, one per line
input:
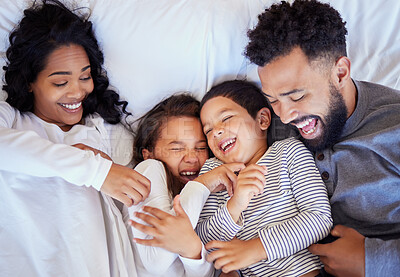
point(62, 85)
point(182, 147)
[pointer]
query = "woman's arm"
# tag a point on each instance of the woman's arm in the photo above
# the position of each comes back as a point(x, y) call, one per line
point(25, 152)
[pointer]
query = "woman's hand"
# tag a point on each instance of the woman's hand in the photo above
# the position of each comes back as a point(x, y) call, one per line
point(95, 151)
point(173, 233)
point(125, 184)
point(122, 183)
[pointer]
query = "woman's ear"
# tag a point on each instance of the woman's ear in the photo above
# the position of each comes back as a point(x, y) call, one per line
point(264, 118)
point(147, 154)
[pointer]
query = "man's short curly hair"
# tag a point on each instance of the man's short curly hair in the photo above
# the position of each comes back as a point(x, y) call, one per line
point(315, 27)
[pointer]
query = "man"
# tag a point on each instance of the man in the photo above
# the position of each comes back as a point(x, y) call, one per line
point(352, 127)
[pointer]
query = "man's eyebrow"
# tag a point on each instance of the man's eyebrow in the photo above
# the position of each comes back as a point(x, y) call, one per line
point(68, 72)
point(286, 93)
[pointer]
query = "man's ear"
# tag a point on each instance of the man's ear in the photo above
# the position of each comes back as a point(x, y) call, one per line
point(342, 71)
point(264, 118)
point(147, 154)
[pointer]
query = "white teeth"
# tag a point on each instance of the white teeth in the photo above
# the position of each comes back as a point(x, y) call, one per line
point(71, 106)
point(226, 143)
point(189, 173)
point(309, 132)
point(304, 124)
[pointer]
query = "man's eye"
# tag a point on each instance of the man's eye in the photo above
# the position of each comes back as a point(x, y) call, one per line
point(202, 148)
point(298, 98)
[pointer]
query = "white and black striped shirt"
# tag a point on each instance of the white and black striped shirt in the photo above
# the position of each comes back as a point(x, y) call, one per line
point(292, 213)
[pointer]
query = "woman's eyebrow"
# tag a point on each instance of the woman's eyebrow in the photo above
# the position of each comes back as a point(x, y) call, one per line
point(68, 72)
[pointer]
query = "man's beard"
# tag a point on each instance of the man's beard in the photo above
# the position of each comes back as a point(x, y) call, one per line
point(334, 123)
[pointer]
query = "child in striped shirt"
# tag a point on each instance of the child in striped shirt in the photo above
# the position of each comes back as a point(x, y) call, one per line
point(279, 205)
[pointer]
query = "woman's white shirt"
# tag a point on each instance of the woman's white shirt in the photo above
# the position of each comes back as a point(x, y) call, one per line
point(54, 220)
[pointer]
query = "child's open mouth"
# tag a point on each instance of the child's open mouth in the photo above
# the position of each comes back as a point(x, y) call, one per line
point(189, 175)
point(227, 144)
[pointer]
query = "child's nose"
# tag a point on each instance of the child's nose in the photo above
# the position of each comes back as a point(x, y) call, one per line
point(218, 131)
point(191, 156)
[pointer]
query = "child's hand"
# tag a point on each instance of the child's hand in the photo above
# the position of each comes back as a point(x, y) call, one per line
point(230, 274)
point(222, 177)
point(250, 182)
point(126, 185)
point(95, 151)
point(235, 254)
point(173, 233)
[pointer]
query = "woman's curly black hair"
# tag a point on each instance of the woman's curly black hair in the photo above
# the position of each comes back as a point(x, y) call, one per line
point(43, 29)
point(315, 27)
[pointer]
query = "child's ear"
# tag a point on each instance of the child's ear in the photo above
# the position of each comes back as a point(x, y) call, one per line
point(264, 118)
point(147, 154)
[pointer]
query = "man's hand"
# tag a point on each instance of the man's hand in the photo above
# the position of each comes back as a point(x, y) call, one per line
point(126, 185)
point(235, 254)
point(173, 233)
point(222, 177)
point(345, 256)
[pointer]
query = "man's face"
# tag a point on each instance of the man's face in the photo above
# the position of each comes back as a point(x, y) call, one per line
point(305, 96)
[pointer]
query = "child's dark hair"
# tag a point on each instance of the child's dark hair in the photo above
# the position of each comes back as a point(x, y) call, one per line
point(44, 29)
point(150, 125)
point(243, 93)
point(315, 27)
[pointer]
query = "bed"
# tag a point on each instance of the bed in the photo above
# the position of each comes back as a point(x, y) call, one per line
point(154, 48)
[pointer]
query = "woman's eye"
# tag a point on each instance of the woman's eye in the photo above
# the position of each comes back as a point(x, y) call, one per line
point(60, 84)
point(86, 78)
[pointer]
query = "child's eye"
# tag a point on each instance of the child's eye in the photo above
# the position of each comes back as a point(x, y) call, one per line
point(60, 84)
point(226, 118)
point(206, 132)
point(176, 149)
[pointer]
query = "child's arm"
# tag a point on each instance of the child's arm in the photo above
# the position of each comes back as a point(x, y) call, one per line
point(159, 198)
point(175, 234)
point(250, 182)
point(313, 221)
point(221, 215)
